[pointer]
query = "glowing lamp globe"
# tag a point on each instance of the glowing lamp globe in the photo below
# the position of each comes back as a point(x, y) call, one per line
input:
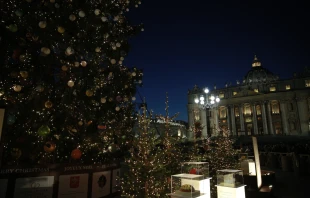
point(212, 98)
point(196, 100)
point(217, 99)
point(206, 90)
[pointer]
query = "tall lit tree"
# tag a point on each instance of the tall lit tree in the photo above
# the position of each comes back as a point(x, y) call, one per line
point(221, 155)
point(171, 142)
point(143, 178)
point(67, 94)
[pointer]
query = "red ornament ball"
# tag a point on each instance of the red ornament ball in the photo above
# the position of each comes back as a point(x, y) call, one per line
point(193, 171)
point(76, 154)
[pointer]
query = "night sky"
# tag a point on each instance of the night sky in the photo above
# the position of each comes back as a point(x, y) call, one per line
point(213, 42)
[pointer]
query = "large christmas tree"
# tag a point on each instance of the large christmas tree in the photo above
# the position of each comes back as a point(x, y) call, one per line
point(68, 96)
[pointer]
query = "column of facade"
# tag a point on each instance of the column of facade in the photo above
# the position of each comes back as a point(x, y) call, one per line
point(190, 113)
point(216, 121)
point(228, 118)
point(241, 118)
point(204, 123)
point(283, 107)
point(233, 120)
point(254, 117)
point(270, 125)
point(264, 118)
point(303, 115)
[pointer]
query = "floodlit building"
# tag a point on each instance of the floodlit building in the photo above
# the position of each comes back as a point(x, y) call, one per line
point(262, 104)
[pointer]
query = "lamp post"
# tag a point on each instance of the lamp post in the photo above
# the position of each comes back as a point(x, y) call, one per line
point(205, 102)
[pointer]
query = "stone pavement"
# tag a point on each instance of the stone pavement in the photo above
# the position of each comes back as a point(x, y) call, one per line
point(291, 185)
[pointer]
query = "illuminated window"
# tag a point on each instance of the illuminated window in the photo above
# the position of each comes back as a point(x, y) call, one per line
point(307, 83)
point(235, 93)
point(237, 112)
point(288, 87)
point(247, 109)
point(258, 110)
point(272, 88)
point(222, 112)
point(196, 115)
point(256, 90)
point(275, 108)
point(221, 95)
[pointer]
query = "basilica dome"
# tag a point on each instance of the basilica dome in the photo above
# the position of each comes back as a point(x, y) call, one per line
point(258, 74)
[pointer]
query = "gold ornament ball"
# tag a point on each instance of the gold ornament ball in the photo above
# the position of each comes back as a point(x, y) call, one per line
point(81, 14)
point(133, 98)
point(70, 83)
point(103, 100)
point(118, 45)
point(89, 93)
point(17, 88)
point(61, 30)
point(23, 74)
point(76, 64)
point(42, 24)
point(97, 12)
point(121, 58)
point(45, 50)
point(49, 147)
point(39, 88)
point(133, 74)
point(117, 108)
point(104, 19)
point(69, 51)
point(72, 17)
point(48, 104)
point(83, 63)
point(97, 49)
point(64, 68)
point(80, 123)
point(113, 61)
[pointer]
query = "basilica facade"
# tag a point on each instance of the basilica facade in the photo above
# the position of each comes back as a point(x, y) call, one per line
point(262, 104)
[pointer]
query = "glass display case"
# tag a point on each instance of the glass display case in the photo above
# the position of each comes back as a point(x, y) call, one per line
point(196, 168)
point(230, 178)
point(189, 185)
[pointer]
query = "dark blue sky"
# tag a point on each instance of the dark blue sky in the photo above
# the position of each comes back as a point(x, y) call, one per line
point(212, 42)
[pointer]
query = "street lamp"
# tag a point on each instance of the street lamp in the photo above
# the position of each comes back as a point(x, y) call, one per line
point(206, 102)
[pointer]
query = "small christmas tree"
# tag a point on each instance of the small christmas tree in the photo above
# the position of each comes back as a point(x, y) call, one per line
point(197, 148)
point(144, 167)
point(221, 155)
point(172, 156)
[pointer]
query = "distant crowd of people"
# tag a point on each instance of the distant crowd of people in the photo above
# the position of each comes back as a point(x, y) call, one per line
point(297, 148)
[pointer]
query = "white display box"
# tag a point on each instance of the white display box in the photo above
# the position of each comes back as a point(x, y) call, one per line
point(230, 178)
point(228, 192)
point(197, 168)
point(189, 186)
point(248, 167)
